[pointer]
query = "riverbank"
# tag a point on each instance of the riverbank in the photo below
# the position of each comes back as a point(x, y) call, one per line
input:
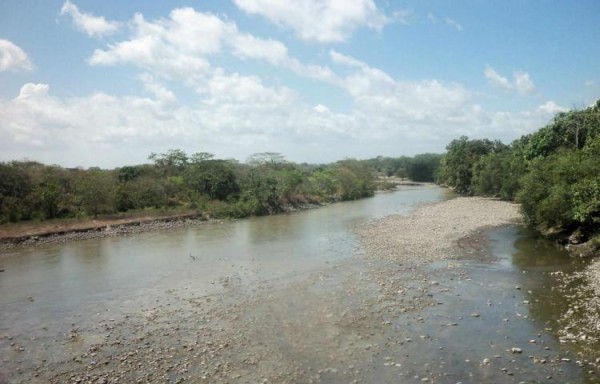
point(59, 231)
point(62, 231)
point(67, 230)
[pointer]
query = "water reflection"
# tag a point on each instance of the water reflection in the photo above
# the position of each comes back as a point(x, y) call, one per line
point(67, 278)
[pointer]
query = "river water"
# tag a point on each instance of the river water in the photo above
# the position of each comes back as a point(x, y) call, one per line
point(60, 279)
point(46, 291)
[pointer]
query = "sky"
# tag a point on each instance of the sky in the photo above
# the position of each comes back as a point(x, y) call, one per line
point(106, 83)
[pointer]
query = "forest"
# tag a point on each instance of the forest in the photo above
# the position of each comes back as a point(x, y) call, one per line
point(553, 173)
point(265, 184)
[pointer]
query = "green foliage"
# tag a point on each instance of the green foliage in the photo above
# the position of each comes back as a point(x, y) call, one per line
point(96, 191)
point(568, 131)
point(214, 178)
point(222, 188)
point(354, 180)
point(498, 175)
point(423, 168)
point(15, 185)
point(457, 166)
point(586, 200)
point(553, 173)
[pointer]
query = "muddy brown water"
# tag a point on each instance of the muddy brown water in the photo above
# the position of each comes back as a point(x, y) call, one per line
point(289, 292)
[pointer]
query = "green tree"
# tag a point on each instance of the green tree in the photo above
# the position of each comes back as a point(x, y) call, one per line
point(456, 169)
point(424, 167)
point(97, 191)
point(171, 163)
point(15, 186)
point(213, 178)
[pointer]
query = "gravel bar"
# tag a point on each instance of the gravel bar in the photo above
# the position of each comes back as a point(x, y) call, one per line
point(432, 232)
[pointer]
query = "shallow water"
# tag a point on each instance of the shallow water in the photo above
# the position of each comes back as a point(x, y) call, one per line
point(480, 308)
point(40, 283)
point(496, 305)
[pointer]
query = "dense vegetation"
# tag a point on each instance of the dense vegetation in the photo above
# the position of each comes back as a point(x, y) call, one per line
point(553, 173)
point(421, 168)
point(265, 184)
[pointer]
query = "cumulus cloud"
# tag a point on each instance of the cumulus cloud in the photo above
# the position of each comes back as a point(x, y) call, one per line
point(95, 26)
point(229, 113)
point(495, 79)
point(550, 107)
point(326, 21)
point(181, 46)
point(238, 115)
point(521, 83)
point(13, 58)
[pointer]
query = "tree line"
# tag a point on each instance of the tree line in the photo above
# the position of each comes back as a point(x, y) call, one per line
point(265, 184)
point(554, 173)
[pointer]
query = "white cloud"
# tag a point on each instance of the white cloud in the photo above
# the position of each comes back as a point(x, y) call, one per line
point(92, 25)
point(250, 90)
point(550, 107)
point(13, 58)
point(590, 83)
point(238, 115)
point(32, 90)
point(191, 31)
point(454, 24)
point(235, 114)
point(433, 19)
point(521, 83)
point(320, 108)
point(159, 46)
point(325, 21)
point(248, 46)
point(181, 46)
point(157, 89)
point(495, 79)
point(341, 59)
point(404, 16)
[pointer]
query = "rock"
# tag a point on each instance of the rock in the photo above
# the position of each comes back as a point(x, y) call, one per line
point(516, 350)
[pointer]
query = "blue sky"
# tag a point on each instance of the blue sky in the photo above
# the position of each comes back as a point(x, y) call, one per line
point(85, 83)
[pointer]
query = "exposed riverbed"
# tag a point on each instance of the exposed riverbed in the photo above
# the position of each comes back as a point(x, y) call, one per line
point(294, 298)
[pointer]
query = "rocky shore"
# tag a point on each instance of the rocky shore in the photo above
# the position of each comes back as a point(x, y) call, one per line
point(580, 324)
point(433, 231)
point(94, 230)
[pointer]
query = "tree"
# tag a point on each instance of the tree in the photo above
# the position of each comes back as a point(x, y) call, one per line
point(424, 167)
point(354, 179)
point(568, 131)
point(97, 191)
point(266, 158)
point(171, 162)
point(15, 186)
point(456, 168)
point(213, 178)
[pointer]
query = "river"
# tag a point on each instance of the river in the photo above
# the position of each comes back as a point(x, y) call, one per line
point(276, 279)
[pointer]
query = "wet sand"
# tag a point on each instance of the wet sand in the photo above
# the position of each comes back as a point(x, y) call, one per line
point(408, 307)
